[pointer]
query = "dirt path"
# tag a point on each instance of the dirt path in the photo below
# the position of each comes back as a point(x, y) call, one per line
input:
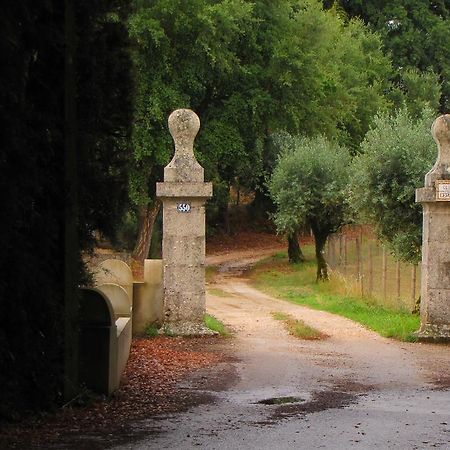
point(352, 390)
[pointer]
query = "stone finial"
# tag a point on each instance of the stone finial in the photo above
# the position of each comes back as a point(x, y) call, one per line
point(183, 126)
point(441, 134)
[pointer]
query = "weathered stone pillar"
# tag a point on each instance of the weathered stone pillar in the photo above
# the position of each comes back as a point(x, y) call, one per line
point(184, 194)
point(435, 198)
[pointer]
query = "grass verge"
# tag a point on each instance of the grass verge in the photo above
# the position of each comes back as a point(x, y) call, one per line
point(152, 331)
point(215, 324)
point(210, 273)
point(296, 284)
point(298, 328)
point(219, 292)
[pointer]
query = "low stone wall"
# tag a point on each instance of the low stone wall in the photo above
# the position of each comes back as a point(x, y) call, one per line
point(148, 297)
point(111, 313)
point(146, 294)
point(105, 337)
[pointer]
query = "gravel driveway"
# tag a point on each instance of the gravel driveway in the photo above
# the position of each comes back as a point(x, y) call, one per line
point(354, 389)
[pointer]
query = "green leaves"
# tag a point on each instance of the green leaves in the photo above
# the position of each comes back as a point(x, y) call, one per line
point(395, 156)
point(416, 34)
point(308, 184)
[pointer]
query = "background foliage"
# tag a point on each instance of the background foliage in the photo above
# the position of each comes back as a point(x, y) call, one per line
point(395, 156)
point(308, 186)
point(415, 32)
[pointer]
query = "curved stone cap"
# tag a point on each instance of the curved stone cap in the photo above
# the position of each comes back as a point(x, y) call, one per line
point(184, 125)
point(114, 271)
point(118, 299)
point(441, 131)
point(441, 134)
point(95, 308)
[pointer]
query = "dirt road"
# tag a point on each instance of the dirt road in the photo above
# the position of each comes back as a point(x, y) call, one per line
point(351, 390)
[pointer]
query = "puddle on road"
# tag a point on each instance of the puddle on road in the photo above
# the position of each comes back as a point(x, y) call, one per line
point(288, 407)
point(280, 400)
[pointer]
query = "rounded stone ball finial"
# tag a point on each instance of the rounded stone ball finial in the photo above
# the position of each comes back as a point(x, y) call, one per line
point(183, 126)
point(441, 134)
point(441, 130)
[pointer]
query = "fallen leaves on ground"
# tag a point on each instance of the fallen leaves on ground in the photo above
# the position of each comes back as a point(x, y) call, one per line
point(149, 387)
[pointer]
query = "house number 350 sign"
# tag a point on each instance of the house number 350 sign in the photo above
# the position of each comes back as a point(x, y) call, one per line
point(184, 207)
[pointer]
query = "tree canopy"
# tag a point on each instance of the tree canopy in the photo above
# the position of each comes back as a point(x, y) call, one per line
point(395, 156)
point(415, 32)
point(248, 69)
point(308, 186)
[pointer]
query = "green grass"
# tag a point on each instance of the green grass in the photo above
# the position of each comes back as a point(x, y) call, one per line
point(210, 272)
point(296, 284)
point(298, 328)
point(373, 282)
point(280, 316)
point(219, 292)
point(215, 324)
point(152, 331)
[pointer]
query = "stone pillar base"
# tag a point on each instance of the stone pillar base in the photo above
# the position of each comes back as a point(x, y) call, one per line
point(434, 333)
point(187, 329)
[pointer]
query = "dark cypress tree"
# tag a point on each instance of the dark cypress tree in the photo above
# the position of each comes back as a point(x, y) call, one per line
point(31, 227)
point(33, 163)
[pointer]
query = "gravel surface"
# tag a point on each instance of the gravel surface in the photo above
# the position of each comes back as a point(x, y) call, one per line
point(354, 389)
point(263, 389)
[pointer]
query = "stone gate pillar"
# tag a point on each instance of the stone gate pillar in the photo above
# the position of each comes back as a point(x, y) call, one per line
point(435, 199)
point(184, 194)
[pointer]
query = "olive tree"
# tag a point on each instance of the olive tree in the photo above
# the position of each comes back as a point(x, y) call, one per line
point(308, 186)
point(395, 155)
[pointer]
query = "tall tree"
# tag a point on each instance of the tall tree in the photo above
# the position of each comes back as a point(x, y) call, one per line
point(248, 70)
point(32, 183)
point(308, 186)
point(183, 52)
point(415, 32)
point(395, 156)
point(45, 144)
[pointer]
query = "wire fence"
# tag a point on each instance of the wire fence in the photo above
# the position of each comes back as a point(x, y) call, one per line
point(367, 269)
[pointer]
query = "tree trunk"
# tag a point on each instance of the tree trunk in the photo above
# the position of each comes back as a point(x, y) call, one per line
point(295, 253)
point(224, 212)
point(147, 217)
point(320, 238)
point(71, 242)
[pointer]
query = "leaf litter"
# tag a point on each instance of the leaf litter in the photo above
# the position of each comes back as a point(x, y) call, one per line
point(149, 388)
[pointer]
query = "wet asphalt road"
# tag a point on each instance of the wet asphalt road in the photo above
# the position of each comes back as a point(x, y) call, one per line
point(352, 390)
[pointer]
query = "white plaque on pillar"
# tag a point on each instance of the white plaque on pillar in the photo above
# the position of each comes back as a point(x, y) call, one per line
point(443, 190)
point(184, 207)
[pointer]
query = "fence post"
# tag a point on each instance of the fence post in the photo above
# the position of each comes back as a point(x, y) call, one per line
point(397, 274)
point(329, 249)
point(384, 272)
point(413, 284)
point(358, 262)
point(370, 289)
point(345, 255)
point(333, 250)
